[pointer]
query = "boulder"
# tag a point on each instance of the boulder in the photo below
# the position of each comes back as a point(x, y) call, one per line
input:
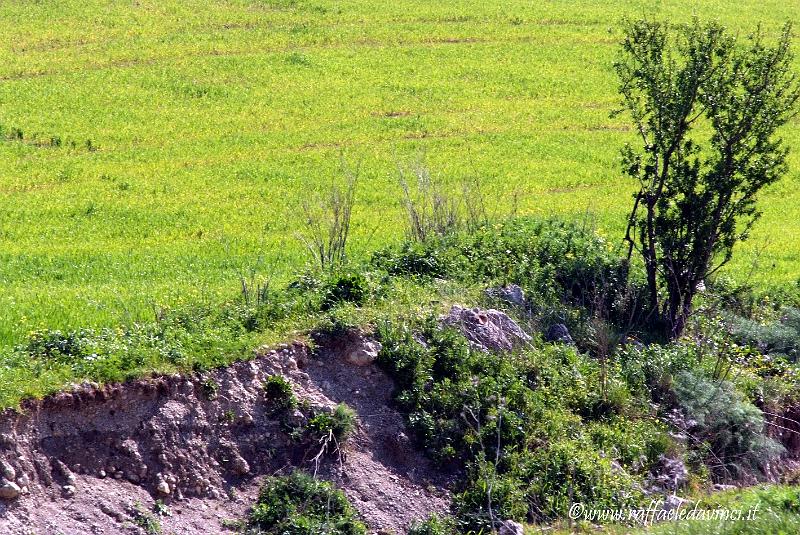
point(510, 293)
point(486, 329)
point(361, 351)
point(559, 333)
point(668, 474)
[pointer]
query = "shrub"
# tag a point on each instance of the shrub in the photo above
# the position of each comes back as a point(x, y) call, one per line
point(776, 337)
point(298, 504)
point(278, 392)
point(339, 424)
point(732, 428)
point(344, 287)
point(434, 525)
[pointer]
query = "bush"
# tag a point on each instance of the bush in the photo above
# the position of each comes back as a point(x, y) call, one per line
point(345, 287)
point(278, 392)
point(782, 337)
point(521, 425)
point(732, 428)
point(339, 424)
point(298, 504)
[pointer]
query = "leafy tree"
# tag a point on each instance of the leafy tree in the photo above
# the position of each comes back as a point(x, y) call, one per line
point(706, 106)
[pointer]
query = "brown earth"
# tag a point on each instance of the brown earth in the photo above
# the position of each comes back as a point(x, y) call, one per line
point(87, 460)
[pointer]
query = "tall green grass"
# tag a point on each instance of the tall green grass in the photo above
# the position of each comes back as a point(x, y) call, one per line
point(209, 123)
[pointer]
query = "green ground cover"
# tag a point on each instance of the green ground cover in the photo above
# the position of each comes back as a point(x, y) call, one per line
point(210, 122)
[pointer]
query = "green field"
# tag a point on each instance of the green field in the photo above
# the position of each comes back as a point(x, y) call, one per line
point(209, 123)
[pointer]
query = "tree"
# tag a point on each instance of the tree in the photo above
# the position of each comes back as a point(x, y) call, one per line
point(706, 108)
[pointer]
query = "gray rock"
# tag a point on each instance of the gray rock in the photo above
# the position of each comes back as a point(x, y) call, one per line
point(669, 473)
point(69, 490)
point(362, 351)
point(162, 487)
point(673, 502)
point(7, 471)
point(509, 527)
point(9, 490)
point(486, 329)
point(240, 466)
point(511, 293)
point(297, 418)
point(558, 332)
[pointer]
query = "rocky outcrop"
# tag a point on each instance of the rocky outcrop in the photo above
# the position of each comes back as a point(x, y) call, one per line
point(488, 330)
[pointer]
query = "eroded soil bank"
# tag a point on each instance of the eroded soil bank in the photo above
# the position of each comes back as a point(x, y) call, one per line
point(89, 460)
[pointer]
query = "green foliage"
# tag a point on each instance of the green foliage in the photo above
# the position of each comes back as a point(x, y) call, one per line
point(520, 425)
point(278, 392)
point(697, 196)
point(732, 428)
point(340, 423)
point(434, 525)
point(781, 337)
point(707, 109)
point(145, 520)
point(298, 504)
point(776, 509)
point(209, 187)
point(344, 287)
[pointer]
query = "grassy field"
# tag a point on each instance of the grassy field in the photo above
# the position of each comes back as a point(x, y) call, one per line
point(153, 150)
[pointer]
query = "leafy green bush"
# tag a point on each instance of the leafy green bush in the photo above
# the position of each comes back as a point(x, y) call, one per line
point(781, 336)
point(339, 423)
point(732, 428)
point(298, 504)
point(520, 425)
point(278, 392)
point(344, 287)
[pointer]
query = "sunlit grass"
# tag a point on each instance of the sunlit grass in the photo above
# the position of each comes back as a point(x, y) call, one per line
point(211, 121)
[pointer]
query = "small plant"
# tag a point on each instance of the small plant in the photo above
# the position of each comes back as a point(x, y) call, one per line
point(434, 525)
point(299, 504)
point(338, 424)
point(732, 427)
point(278, 392)
point(327, 221)
point(161, 509)
point(209, 388)
point(145, 520)
point(433, 213)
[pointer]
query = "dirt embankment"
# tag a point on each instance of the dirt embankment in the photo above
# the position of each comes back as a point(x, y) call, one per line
point(85, 461)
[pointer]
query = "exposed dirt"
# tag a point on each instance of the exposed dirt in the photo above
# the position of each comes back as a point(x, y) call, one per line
point(87, 460)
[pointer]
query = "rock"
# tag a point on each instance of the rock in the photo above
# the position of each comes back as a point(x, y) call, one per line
point(361, 351)
point(510, 293)
point(9, 490)
point(297, 418)
point(69, 490)
point(509, 527)
point(558, 332)
point(240, 466)
point(162, 487)
point(7, 471)
point(101, 474)
point(486, 329)
point(23, 480)
point(669, 473)
point(673, 502)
